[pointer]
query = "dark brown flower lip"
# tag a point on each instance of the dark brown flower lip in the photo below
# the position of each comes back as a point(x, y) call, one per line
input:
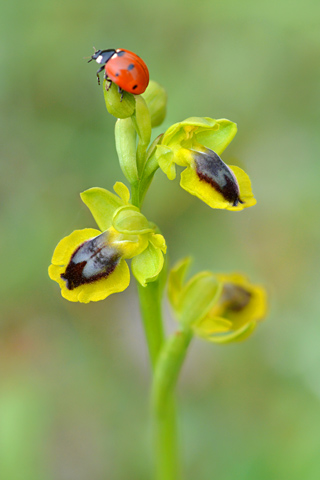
point(91, 261)
point(212, 170)
point(235, 297)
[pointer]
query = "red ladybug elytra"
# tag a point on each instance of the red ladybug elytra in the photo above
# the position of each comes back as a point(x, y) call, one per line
point(124, 68)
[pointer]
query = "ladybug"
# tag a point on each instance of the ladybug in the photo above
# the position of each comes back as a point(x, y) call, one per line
point(124, 68)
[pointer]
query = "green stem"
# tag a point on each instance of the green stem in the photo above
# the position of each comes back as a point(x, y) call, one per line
point(149, 170)
point(165, 378)
point(141, 156)
point(165, 443)
point(150, 305)
point(135, 194)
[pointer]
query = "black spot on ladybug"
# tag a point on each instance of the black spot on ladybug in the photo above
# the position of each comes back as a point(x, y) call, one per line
point(121, 53)
point(117, 74)
point(134, 87)
point(131, 66)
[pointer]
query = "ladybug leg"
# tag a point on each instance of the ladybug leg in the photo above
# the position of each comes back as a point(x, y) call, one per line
point(120, 91)
point(110, 83)
point(98, 71)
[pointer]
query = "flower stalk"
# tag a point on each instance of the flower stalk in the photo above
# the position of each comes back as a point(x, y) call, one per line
point(163, 405)
point(151, 313)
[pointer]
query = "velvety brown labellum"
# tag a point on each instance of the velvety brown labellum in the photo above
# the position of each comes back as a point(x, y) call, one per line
point(211, 169)
point(235, 297)
point(91, 261)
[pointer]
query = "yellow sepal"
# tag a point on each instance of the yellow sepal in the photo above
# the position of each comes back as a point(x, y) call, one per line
point(220, 333)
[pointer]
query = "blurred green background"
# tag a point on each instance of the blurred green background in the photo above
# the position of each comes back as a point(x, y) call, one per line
point(74, 378)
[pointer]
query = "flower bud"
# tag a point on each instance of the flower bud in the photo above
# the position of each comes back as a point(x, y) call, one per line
point(156, 99)
point(125, 135)
point(142, 121)
point(117, 106)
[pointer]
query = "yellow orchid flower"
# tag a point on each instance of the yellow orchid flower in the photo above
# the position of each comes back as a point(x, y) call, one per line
point(89, 264)
point(219, 308)
point(196, 144)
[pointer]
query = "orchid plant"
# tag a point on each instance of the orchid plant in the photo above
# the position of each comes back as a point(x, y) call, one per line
point(91, 264)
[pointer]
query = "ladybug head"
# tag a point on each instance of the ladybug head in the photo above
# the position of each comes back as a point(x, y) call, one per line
point(95, 55)
point(102, 56)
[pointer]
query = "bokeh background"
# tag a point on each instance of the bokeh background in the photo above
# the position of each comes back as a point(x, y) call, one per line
point(74, 378)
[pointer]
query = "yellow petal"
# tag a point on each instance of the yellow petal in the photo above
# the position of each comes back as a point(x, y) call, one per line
point(117, 281)
point(256, 309)
point(158, 241)
point(131, 245)
point(234, 336)
point(68, 245)
point(165, 158)
point(94, 290)
point(147, 266)
point(212, 325)
point(190, 181)
point(122, 190)
point(246, 194)
point(207, 193)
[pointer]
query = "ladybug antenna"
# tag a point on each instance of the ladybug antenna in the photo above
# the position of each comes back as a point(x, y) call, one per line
point(85, 58)
point(95, 51)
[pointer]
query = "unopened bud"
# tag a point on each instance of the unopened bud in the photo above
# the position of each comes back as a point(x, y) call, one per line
point(156, 99)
